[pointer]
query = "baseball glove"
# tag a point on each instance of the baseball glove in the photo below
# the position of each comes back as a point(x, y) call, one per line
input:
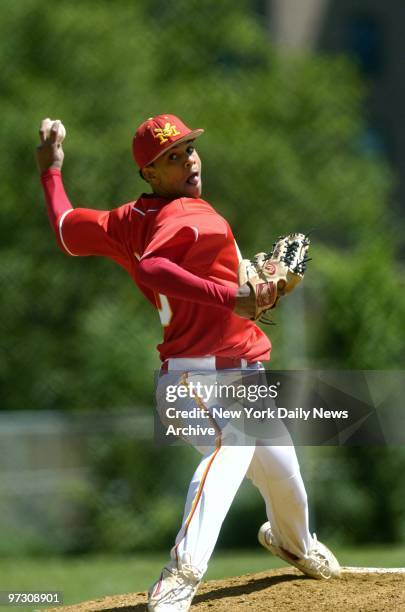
point(274, 274)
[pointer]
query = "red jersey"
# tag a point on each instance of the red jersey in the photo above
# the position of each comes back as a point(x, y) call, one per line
point(190, 233)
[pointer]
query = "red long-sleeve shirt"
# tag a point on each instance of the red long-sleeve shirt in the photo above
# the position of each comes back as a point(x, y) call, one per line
point(182, 256)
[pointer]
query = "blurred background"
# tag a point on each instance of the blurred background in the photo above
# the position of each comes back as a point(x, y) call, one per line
point(303, 107)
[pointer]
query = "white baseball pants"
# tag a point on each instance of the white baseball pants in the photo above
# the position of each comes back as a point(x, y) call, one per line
point(274, 470)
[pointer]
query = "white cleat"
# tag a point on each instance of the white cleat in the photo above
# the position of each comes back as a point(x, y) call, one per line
point(320, 562)
point(175, 589)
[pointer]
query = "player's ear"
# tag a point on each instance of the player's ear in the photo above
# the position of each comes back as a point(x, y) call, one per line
point(148, 173)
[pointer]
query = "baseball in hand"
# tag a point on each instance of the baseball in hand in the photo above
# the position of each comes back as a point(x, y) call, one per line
point(61, 129)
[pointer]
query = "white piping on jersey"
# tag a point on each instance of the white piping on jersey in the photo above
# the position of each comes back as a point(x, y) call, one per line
point(144, 213)
point(60, 232)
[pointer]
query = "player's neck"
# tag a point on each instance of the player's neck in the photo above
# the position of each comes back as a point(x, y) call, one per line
point(170, 196)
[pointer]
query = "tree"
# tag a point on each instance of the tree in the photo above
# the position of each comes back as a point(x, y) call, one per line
point(282, 152)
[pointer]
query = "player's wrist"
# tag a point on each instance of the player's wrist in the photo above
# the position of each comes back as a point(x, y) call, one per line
point(51, 171)
point(245, 303)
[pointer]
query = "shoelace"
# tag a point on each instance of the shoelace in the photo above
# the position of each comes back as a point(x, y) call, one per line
point(183, 584)
point(318, 561)
point(190, 572)
point(186, 582)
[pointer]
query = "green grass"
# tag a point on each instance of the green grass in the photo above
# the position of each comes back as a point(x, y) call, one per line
point(95, 576)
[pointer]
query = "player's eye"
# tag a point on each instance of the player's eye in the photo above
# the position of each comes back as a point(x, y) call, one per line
point(173, 156)
point(190, 149)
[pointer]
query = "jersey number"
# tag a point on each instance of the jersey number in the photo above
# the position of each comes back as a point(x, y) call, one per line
point(164, 310)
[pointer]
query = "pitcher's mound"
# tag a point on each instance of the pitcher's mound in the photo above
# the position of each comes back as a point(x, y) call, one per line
point(281, 590)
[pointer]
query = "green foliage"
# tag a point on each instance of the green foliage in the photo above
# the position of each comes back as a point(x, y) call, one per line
point(133, 508)
point(362, 306)
point(356, 493)
point(281, 144)
point(283, 151)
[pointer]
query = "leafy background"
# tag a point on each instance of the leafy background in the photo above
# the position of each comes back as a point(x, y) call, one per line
point(284, 149)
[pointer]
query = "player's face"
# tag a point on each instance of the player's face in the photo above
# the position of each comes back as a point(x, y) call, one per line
point(177, 172)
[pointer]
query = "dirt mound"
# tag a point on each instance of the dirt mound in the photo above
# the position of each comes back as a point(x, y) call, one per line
point(281, 590)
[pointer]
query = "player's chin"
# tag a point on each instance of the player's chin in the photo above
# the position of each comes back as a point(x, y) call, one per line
point(192, 190)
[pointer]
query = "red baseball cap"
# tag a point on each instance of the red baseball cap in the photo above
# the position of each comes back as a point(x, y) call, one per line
point(157, 135)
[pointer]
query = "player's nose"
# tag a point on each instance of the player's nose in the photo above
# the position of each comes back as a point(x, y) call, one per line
point(190, 159)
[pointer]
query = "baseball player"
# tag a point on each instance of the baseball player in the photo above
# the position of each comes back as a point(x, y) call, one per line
point(183, 257)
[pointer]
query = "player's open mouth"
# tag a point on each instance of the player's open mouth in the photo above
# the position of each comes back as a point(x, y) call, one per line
point(193, 178)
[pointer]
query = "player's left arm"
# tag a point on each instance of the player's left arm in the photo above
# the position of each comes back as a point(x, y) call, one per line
point(166, 277)
point(162, 269)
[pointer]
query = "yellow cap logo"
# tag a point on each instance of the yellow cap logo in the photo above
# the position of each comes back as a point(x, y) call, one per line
point(164, 133)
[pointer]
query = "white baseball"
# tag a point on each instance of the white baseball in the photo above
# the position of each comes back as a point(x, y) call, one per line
point(47, 123)
point(60, 137)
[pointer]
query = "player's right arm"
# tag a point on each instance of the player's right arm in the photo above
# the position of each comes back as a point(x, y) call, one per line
point(78, 231)
point(49, 152)
point(50, 158)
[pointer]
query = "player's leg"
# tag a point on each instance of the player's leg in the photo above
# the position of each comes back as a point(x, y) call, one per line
point(226, 457)
point(275, 471)
point(211, 492)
